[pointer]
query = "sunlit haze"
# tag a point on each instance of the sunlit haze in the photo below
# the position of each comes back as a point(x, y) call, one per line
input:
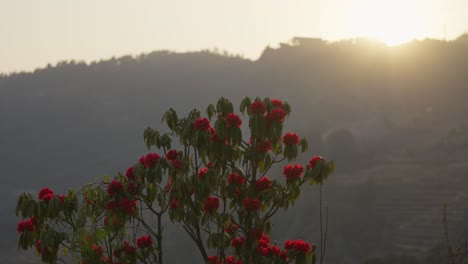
point(34, 33)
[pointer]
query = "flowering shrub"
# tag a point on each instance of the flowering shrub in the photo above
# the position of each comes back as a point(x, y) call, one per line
point(214, 186)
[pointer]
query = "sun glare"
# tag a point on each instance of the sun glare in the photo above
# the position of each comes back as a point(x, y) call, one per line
point(393, 22)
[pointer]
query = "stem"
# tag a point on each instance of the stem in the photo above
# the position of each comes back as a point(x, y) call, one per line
point(451, 257)
point(159, 239)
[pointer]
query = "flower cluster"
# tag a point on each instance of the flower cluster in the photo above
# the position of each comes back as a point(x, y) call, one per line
point(124, 204)
point(150, 160)
point(275, 115)
point(298, 245)
point(235, 179)
point(27, 225)
point(313, 161)
point(263, 147)
point(46, 194)
point(257, 108)
point(211, 204)
point(238, 242)
point(144, 242)
point(114, 187)
point(201, 124)
point(290, 139)
point(251, 204)
point(202, 172)
point(292, 172)
point(233, 120)
point(262, 184)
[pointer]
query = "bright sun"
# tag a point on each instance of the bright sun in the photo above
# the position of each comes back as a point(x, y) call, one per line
point(391, 21)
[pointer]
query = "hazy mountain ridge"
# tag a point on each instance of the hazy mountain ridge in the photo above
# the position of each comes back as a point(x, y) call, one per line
point(64, 125)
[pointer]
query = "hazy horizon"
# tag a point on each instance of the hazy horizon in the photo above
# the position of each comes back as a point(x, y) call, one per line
point(37, 33)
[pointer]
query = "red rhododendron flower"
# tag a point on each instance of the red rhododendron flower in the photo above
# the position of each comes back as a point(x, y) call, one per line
point(293, 172)
point(263, 147)
point(313, 161)
point(62, 198)
point(27, 225)
point(39, 247)
point(114, 187)
point(235, 179)
point(257, 108)
point(233, 120)
point(238, 242)
point(231, 260)
point(150, 160)
point(276, 103)
point(298, 245)
point(127, 205)
point(262, 184)
point(144, 242)
point(251, 204)
point(174, 203)
point(202, 172)
point(213, 259)
point(276, 115)
point(130, 174)
point(128, 249)
point(290, 139)
point(211, 204)
point(178, 164)
point(201, 123)
point(133, 189)
point(172, 154)
point(111, 205)
point(46, 194)
point(98, 249)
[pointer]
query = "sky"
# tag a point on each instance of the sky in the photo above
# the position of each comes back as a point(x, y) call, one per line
point(34, 33)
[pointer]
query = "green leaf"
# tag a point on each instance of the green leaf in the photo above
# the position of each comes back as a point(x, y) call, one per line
point(210, 111)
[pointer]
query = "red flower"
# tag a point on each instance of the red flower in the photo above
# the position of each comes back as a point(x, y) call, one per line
point(238, 242)
point(39, 247)
point(130, 174)
point(128, 249)
point(290, 139)
point(277, 103)
point(150, 160)
point(276, 115)
point(62, 198)
point(98, 249)
point(313, 161)
point(46, 194)
point(172, 154)
point(111, 205)
point(202, 172)
point(293, 172)
point(263, 147)
point(133, 189)
point(144, 242)
point(174, 203)
point(201, 123)
point(27, 225)
point(235, 179)
point(231, 260)
point(178, 164)
point(233, 120)
point(127, 205)
point(114, 187)
point(251, 204)
point(257, 108)
point(213, 260)
point(298, 245)
point(262, 184)
point(211, 204)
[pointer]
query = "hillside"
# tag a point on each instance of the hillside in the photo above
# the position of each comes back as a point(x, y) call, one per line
point(394, 119)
